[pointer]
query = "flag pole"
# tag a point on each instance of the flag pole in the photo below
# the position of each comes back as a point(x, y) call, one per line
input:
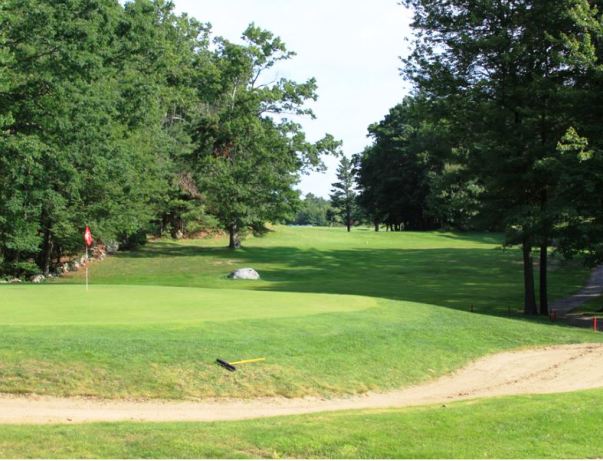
point(86, 267)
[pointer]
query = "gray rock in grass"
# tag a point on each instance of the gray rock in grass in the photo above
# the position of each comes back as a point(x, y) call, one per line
point(37, 278)
point(246, 273)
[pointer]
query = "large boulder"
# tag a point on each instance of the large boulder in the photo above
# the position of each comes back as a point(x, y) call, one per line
point(246, 273)
point(37, 278)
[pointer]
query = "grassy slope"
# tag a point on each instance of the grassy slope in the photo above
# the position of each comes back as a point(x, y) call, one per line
point(553, 426)
point(156, 342)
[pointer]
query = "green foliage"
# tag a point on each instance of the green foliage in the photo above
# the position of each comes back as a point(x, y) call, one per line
point(395, 174)
point(85, 139)
point(343, 194)
point(510, 79)
point(123, 118)
point(248, 155)
point(313, 211)
point(454, 198)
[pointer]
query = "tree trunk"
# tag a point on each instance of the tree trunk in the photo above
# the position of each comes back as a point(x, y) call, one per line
point(46, 253)
point(376, 223)
point(348, 220)
point(528, 279)
point(234, 241)
point(544, 298)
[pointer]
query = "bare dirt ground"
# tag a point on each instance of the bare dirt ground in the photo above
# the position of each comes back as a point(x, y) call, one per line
point(533, 371)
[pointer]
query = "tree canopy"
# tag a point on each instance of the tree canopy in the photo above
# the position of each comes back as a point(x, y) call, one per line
point(508, 96)
point(130, 118)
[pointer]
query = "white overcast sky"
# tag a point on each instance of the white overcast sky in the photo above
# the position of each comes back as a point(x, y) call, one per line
point(352, 48)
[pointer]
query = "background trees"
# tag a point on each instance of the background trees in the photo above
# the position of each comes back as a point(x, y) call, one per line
point(394, 173)
point(313, 211)
point(126, 119)
point(500, 87)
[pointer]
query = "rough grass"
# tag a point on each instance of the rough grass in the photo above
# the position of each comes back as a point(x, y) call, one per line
point(551, 426)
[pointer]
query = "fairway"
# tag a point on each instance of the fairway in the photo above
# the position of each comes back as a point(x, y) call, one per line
point(131, 305)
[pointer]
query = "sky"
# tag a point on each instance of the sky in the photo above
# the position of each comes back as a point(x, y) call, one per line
point(351, 47)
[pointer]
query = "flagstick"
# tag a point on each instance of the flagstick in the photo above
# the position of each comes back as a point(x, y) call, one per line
point(86, 267)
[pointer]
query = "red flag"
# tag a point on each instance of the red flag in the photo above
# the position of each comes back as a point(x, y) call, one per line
point(88, 237)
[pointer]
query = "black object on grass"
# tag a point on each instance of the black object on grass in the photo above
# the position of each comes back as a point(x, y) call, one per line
point(225, 364)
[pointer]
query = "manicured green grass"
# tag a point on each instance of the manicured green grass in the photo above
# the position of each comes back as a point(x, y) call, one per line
point(161, 341)
point(551, 426)
point(51, 305)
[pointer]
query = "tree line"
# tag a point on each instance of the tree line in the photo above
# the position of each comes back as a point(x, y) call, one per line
point(502, 130)
point(133, 119)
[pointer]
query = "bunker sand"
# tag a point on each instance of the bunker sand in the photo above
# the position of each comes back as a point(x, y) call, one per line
point(533, 371)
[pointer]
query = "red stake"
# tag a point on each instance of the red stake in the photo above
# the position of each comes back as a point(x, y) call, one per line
point(595, 324)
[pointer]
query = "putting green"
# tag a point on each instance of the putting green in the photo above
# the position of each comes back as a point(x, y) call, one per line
point(123, 304)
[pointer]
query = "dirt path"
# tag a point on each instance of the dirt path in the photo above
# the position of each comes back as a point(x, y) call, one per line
point(593, 288)
point(534, 371)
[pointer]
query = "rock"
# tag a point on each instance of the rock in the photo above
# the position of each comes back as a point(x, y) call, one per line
point(74, 265)
point(37, 278)
point(111, 247)
point(65, 267)
point(246, 273)
point(2, 281)
point(15, 280)
point(178, 235)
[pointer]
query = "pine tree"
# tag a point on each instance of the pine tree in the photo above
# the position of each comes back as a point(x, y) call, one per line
point(343, 196)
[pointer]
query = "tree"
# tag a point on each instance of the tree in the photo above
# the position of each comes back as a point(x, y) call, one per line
point(394, 173)
point(506, 73)
point(86, 90)
point(248, 156)
point(313, 211)
point(343, 196)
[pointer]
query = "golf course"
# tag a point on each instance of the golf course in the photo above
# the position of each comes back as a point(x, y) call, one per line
point(336, 315)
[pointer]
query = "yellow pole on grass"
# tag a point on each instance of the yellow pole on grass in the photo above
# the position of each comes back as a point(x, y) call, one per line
point(248, 361)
